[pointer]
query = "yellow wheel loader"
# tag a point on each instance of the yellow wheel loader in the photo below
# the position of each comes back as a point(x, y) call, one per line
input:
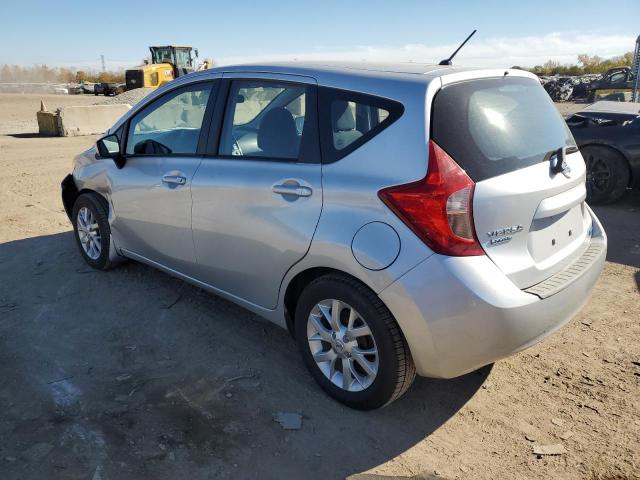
point(167, 63)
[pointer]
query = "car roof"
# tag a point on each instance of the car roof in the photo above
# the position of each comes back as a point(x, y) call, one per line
point(362, 68)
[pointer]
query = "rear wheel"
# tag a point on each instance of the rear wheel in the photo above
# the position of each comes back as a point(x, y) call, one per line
point(607, 174)
point(351, 343)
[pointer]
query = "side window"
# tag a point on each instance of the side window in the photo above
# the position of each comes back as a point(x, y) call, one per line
point(349, 120)
point(265, 119)
point(170, 125)
point(617, 77)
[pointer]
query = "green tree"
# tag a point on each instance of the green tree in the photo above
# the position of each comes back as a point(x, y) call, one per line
point(81, 76)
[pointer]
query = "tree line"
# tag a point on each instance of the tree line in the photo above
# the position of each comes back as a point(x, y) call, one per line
point(587, 64)
point(44, 73)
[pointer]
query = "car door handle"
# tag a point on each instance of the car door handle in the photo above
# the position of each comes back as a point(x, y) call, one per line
point(174, 179)
point(292, 189)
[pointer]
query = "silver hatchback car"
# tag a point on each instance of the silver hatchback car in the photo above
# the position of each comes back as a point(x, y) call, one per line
point(396, 219)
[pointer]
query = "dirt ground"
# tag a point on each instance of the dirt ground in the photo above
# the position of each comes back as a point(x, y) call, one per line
point(133, 374)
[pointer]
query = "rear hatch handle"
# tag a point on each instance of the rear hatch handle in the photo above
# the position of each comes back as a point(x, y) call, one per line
point(561, 202)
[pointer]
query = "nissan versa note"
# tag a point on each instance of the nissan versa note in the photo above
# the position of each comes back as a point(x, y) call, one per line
point(396, 219)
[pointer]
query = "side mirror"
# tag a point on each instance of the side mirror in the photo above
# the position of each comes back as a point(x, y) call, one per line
point(196, 50)
point(109, 147)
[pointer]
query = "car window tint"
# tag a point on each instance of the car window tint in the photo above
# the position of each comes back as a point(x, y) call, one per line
point(264, 119)
point(171, 125)
point(252, 100)
point(493, 126)
point(617, 77)
point(350, 119)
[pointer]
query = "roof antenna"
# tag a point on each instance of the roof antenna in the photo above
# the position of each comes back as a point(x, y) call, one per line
point(447, 61)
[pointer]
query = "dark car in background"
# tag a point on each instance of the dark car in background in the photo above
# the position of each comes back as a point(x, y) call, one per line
point(608, 135)
point(613, 85)
point(108, 88)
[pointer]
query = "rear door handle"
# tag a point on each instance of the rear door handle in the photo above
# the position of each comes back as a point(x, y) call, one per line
point(174, 179)
point(293, 189)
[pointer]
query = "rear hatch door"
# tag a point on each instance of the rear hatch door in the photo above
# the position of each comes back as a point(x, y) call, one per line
point(528, 203)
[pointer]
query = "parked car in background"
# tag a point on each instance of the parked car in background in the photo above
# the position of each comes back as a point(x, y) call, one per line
point(608, 135)
point(397, 219)
point(616, 84)
point(108, 88)
point(75, 89)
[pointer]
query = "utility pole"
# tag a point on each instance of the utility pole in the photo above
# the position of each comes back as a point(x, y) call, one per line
point(103, 67)
point(635, 70)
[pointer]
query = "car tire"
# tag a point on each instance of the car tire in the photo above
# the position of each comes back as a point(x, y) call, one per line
point(607, 174)
point(92, 231)
point(393, 367)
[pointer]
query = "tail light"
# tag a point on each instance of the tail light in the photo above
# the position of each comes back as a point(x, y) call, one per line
point(438, 208)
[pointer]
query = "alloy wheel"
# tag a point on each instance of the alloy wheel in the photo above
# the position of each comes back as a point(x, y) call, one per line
point(342, 345)
point(598, 174)
point(89, 233)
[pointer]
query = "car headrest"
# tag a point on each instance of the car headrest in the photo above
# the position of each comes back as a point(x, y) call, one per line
point(277, 135)
point(342, 117)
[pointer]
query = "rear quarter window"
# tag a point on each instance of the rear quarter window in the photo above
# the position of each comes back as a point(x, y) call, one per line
point(494, 126)
point(349, 119)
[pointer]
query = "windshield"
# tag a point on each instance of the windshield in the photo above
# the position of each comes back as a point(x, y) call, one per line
point(183, 57)
point(180, 57)
point(162, 55)
point(497, 125)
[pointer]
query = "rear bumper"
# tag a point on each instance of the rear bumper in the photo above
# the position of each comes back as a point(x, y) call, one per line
point(461, 313)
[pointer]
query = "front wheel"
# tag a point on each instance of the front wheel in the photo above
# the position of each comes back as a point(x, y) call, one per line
point(91, 229)
point(351, 343)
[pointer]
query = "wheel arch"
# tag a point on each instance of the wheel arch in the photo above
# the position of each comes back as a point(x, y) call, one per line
point(70, 194)
point(101, 197)
point(299, 282)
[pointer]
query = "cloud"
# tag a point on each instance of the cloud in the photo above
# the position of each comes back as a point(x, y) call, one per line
point(563, 47)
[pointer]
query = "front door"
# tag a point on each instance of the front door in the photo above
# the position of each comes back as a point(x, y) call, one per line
point(151, 193)
point(257, 198)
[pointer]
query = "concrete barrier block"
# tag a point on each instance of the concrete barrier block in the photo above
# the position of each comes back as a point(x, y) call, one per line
point(47, 123)
point(89, 119)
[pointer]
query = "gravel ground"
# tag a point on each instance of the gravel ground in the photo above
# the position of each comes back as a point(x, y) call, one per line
point(131, 97)
point(568, 108)
point(132, 374)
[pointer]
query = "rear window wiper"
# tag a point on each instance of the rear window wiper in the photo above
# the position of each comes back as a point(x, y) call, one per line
point(568, 149)
point(558, 155)
point(571, 149)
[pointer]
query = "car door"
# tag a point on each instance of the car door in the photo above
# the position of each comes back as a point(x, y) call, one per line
point(151, 194)
point(257, 197)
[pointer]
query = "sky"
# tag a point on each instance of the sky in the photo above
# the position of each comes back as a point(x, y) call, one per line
point(525, 33)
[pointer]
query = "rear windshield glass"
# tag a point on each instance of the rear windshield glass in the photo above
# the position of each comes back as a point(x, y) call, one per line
point(497, 125)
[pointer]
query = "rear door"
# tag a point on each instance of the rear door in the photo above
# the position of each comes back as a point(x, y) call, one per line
point(257, 196)
point(528, 205)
